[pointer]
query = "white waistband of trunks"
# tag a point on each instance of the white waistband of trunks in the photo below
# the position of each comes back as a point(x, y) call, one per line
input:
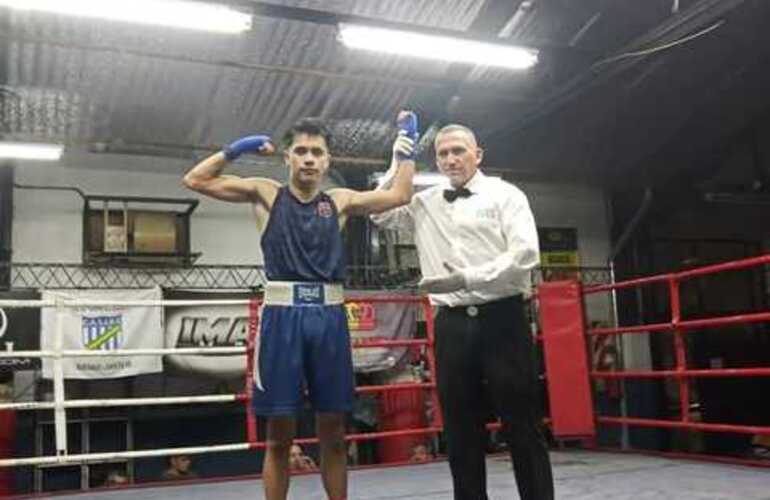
point(303, 293)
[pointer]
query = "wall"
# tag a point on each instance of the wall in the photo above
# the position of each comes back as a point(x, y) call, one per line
point(584, 208)
point(224, 232)
point(48, 224)
point(569, 205)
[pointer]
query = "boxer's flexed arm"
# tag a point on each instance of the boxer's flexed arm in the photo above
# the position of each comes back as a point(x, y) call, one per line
point(206, 177)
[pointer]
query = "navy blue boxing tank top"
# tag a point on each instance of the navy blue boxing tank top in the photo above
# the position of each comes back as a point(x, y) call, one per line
point(302, 241)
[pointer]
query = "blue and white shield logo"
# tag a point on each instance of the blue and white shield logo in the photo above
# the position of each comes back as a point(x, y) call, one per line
point(103, 333)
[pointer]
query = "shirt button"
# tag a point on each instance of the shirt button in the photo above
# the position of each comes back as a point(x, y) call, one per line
point(472, 311)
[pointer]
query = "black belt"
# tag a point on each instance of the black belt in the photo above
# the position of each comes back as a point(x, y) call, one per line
point(474, 310)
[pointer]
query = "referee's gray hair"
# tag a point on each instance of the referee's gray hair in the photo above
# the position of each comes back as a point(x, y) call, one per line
point(455, 127)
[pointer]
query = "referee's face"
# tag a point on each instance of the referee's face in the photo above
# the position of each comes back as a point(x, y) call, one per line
point(457, 156)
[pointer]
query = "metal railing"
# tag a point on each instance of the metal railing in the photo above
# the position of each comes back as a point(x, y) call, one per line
point(679, 328)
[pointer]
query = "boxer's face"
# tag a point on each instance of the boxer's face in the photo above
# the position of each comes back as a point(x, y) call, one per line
point(308, 160)
point(457, 156)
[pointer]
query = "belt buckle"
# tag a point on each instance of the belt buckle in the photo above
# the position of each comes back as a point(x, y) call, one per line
point(472, 311)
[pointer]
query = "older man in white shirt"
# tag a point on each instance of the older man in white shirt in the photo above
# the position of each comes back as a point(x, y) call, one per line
point(477, 243)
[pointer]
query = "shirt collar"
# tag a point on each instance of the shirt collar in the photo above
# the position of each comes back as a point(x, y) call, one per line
point(474, 183)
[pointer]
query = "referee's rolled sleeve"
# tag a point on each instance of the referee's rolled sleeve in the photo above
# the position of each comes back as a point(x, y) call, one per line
point(398, 219)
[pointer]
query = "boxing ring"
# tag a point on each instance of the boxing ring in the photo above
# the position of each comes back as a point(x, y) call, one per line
point(579, 474)
point(59, 405)
point(681, 373)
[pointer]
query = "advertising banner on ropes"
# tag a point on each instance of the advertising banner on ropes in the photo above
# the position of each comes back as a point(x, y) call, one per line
point(228, 326)
point(374, 321)
point(104, 328)
point(19, 331)
point(207, 326)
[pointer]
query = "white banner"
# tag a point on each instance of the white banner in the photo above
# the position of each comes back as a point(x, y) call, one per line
point(228, 326)
point(104, 329)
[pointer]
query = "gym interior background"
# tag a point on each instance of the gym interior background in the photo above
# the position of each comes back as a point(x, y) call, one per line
point(641, 136)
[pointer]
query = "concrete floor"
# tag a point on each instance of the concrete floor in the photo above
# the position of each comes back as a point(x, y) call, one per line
point(579, 475)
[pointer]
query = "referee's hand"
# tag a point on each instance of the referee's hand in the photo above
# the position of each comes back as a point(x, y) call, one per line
point(449, 283)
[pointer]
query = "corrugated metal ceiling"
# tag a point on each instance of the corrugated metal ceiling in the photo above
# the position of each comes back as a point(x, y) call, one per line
point(108, 86)
point(84, 81)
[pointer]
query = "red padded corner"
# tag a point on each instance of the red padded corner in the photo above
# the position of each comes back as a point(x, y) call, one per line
point(562, 319)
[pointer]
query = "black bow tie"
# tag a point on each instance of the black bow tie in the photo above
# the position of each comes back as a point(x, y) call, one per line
point(451, 195)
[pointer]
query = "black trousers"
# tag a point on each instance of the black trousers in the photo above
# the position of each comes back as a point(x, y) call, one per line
point(485, 357)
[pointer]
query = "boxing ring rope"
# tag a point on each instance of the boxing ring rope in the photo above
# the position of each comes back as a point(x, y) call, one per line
point(680, 327)
point(127, 352)
point(60, 404)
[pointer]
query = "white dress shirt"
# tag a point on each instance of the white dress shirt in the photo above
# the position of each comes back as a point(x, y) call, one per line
point(491, 236)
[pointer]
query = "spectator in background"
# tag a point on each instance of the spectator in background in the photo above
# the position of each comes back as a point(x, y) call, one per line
point(299, 462)
point(421, 453)
point(761, 447)
point(608, 392)
point(116, 478)
point(179, 468)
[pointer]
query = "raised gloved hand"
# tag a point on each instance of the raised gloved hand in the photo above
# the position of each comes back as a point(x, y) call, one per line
point(250, 144)
point(449, 283)
point(403, 148)
point(407, 127)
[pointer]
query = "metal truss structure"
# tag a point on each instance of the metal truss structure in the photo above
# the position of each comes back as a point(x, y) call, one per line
point(230, 277)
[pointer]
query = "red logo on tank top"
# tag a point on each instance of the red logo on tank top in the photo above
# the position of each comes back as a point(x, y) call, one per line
point(325, 209)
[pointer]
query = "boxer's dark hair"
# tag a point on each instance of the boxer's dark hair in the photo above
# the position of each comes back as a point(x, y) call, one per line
point(309, 126)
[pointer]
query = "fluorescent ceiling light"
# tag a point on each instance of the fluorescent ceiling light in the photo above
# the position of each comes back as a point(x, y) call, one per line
point(30, 151)
point(173, 13)
point(442, 48)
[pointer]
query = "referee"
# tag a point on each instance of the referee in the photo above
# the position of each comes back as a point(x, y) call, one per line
point(477, 243)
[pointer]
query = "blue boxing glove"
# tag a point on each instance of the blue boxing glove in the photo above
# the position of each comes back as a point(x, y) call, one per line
point(408, 126)
point(249, 144)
